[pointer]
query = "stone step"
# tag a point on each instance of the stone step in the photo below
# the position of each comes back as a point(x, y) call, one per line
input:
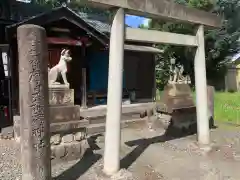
point(133, 109)
point(95, 128)
point(100, 127)
point(102, 118)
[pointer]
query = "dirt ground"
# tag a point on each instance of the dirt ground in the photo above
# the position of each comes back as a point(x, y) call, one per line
point(146, 155)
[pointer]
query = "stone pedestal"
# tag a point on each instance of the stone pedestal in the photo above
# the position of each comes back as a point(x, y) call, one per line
point(68, 140)
point(68, 145)
point(61, 96)
point(62, 108)
point(68, 130)
point(176, 107)
point(176, 96)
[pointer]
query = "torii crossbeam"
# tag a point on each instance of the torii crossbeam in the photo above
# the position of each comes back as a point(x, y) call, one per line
point(164, 9)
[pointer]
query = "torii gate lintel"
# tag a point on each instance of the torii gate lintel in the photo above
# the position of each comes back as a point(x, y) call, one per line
point(160, 9)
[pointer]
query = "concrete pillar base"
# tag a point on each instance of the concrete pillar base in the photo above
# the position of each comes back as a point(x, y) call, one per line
point(203, 149)
point(121, 174)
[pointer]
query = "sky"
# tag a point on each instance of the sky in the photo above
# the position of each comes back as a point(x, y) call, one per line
point(135, 21)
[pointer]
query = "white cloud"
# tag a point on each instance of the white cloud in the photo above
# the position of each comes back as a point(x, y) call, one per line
point(146, 22)
point(26, 1)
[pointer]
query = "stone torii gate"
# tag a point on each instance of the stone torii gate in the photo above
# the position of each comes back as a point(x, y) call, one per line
point(161, 9)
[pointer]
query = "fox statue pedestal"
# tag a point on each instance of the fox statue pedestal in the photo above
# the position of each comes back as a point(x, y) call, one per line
point(177, 96)
point(61, 95)
point(176, 109)
point(68, 140)
point(62, 108)
point(67, 128)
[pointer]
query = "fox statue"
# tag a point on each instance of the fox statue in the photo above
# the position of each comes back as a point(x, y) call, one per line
point(60, 68)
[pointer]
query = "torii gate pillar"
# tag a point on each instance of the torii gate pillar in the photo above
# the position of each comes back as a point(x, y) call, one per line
point(201, 90)
point(114, 100)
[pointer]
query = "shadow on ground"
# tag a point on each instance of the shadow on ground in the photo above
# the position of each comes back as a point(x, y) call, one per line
point(143, 143)
point(88, 160)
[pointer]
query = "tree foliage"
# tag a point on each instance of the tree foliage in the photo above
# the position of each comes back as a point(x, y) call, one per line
point(220, 43)
point(76, 5)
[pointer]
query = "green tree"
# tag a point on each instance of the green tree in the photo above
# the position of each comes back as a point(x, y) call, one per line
point(76, 5)
point(220, 43)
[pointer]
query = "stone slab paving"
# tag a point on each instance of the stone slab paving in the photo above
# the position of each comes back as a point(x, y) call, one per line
point(146, 156)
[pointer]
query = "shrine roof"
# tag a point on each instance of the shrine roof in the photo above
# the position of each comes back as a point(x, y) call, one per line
point(49, 16)
point(96, 25)
point(96, 22)
point(28, 11)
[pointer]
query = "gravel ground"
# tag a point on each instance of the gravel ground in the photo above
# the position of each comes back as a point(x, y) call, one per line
point(10, 168)
point(150, 159)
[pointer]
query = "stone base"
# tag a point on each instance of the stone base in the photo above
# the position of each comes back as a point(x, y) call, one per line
point(176, 109)
point(68, 147)
point(7, 133)
point(122, 174)
point(68, 151)
point(175, 90)
point(62, 127)
point(64, 113)
point(68, 139)
point(203, 149)
point(62, 108)
point(61, 96)
point(176, 96)
point(58, 86)
point(68, 131)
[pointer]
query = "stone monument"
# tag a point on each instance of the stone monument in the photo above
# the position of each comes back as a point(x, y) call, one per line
point(176, 107)
point(34, 109)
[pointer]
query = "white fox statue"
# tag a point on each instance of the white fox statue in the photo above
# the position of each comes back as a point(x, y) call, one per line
point(60, 68)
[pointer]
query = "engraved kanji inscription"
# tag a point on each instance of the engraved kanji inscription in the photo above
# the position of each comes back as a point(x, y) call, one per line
point(34, 106)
